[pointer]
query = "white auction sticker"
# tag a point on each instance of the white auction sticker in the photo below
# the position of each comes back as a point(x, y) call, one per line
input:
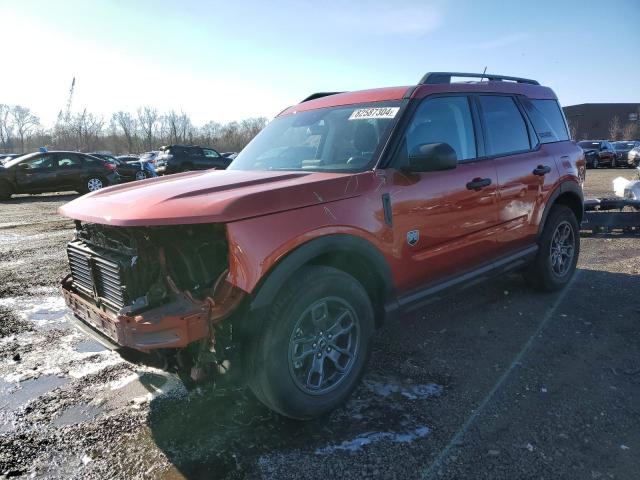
point(368, 113)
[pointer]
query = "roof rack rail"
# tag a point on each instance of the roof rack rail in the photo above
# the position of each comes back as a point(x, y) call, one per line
point(445, 77)
point(313, 96)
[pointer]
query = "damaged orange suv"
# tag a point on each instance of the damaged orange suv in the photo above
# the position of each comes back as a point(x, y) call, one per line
point(346, 209)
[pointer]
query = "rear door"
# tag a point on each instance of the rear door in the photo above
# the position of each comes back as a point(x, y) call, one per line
point(70, 169)
point(443, 221)
point(527, 171)
point(214, 159)
point(37, 174)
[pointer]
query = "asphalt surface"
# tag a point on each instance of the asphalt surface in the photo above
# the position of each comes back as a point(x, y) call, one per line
point(499, 382)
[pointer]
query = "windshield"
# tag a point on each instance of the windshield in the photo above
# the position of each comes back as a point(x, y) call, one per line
point(623, 145)
point(345, 138)
point(589, 145)
point(11, 163)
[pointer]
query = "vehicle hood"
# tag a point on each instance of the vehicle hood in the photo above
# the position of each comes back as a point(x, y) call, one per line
point(213, 196)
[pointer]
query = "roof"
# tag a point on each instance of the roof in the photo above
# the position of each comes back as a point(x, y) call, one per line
point(421, 91)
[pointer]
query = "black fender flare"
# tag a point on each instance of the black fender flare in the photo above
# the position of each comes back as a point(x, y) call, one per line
point(565, 187)
point(303, 254)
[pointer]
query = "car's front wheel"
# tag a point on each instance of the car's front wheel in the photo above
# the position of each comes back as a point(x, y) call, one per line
point(141, 175)
point(313, 345)
point(558, 250)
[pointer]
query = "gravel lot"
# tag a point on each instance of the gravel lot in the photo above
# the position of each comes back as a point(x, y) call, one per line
point(498, 383)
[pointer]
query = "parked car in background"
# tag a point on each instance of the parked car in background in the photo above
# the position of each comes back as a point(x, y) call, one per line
point(345, 209)
point(136, 169)
point(5, 157)
point(150, 156)
point(130, 157)
point(633, 157)
point(55, 172)
point(598, 153)
point(622, 150)
point(184, 158)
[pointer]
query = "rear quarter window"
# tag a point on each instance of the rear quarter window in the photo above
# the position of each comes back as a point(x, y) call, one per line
point(506, 130)
point(547, 120)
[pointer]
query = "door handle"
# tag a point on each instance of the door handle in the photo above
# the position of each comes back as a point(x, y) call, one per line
point(478, 183)
point(541, 170)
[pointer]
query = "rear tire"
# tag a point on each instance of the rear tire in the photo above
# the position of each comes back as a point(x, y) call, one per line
point(559, 248)
point(312, 347)
point(5, 191)
point(93, 183)
point(141, 175)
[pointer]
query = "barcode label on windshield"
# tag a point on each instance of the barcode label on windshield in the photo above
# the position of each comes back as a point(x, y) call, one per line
point(368, 113)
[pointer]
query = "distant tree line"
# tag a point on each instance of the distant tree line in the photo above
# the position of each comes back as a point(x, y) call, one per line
point(125, 132)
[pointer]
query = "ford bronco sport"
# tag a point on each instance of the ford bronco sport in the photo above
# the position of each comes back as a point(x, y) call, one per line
point(346, 209)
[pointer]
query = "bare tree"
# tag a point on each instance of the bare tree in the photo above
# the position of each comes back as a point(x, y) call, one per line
point(6, 127)
point(615, 130)
point(25, 122)
point(631, 131)
point(87, 129)
point(128, 125)
point(148, 119)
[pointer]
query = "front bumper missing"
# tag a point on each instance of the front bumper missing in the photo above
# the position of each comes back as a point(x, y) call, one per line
point(173, 325)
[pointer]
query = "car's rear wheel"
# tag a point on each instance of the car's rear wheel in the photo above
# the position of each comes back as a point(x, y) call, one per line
point(141, 175)
point(314, 343)
point(559, 247)
point(5, 191)
point(93, 183)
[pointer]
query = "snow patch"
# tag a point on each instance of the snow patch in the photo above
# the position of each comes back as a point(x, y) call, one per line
point(43, 311)
point(410, 391)
point(369, 438)
point(123, 382)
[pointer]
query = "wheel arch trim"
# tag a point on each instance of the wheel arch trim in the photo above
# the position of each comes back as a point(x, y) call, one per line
point(569, 189)
point(305, 253)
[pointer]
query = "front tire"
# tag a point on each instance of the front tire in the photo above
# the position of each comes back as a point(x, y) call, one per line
point(140, 175)
point(559, 248)
point(314, 343)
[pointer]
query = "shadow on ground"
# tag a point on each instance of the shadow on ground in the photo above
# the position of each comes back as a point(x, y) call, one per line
point(455, 350)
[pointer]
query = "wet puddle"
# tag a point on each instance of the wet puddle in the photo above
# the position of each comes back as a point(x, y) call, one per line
point(75, 414)
point(13, 396)
point(88, 345)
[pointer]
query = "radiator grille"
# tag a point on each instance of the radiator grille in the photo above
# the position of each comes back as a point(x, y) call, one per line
point(95, 275)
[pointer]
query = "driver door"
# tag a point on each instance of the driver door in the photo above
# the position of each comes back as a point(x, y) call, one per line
point(444, 221)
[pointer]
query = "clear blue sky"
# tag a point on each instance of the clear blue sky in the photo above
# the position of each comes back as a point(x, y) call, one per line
point(233, 59)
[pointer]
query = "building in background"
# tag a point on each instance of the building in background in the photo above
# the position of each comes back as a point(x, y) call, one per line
point(604, 121)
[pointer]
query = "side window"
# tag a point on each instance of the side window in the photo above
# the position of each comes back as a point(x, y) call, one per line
point(44, 161)
point(547, 120)
point(194, 152)
point(443, 120)
point(506, 130)
point(210, 153)
point(68, 160)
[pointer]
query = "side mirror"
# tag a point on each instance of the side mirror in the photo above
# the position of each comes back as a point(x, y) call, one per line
point(432, 157)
